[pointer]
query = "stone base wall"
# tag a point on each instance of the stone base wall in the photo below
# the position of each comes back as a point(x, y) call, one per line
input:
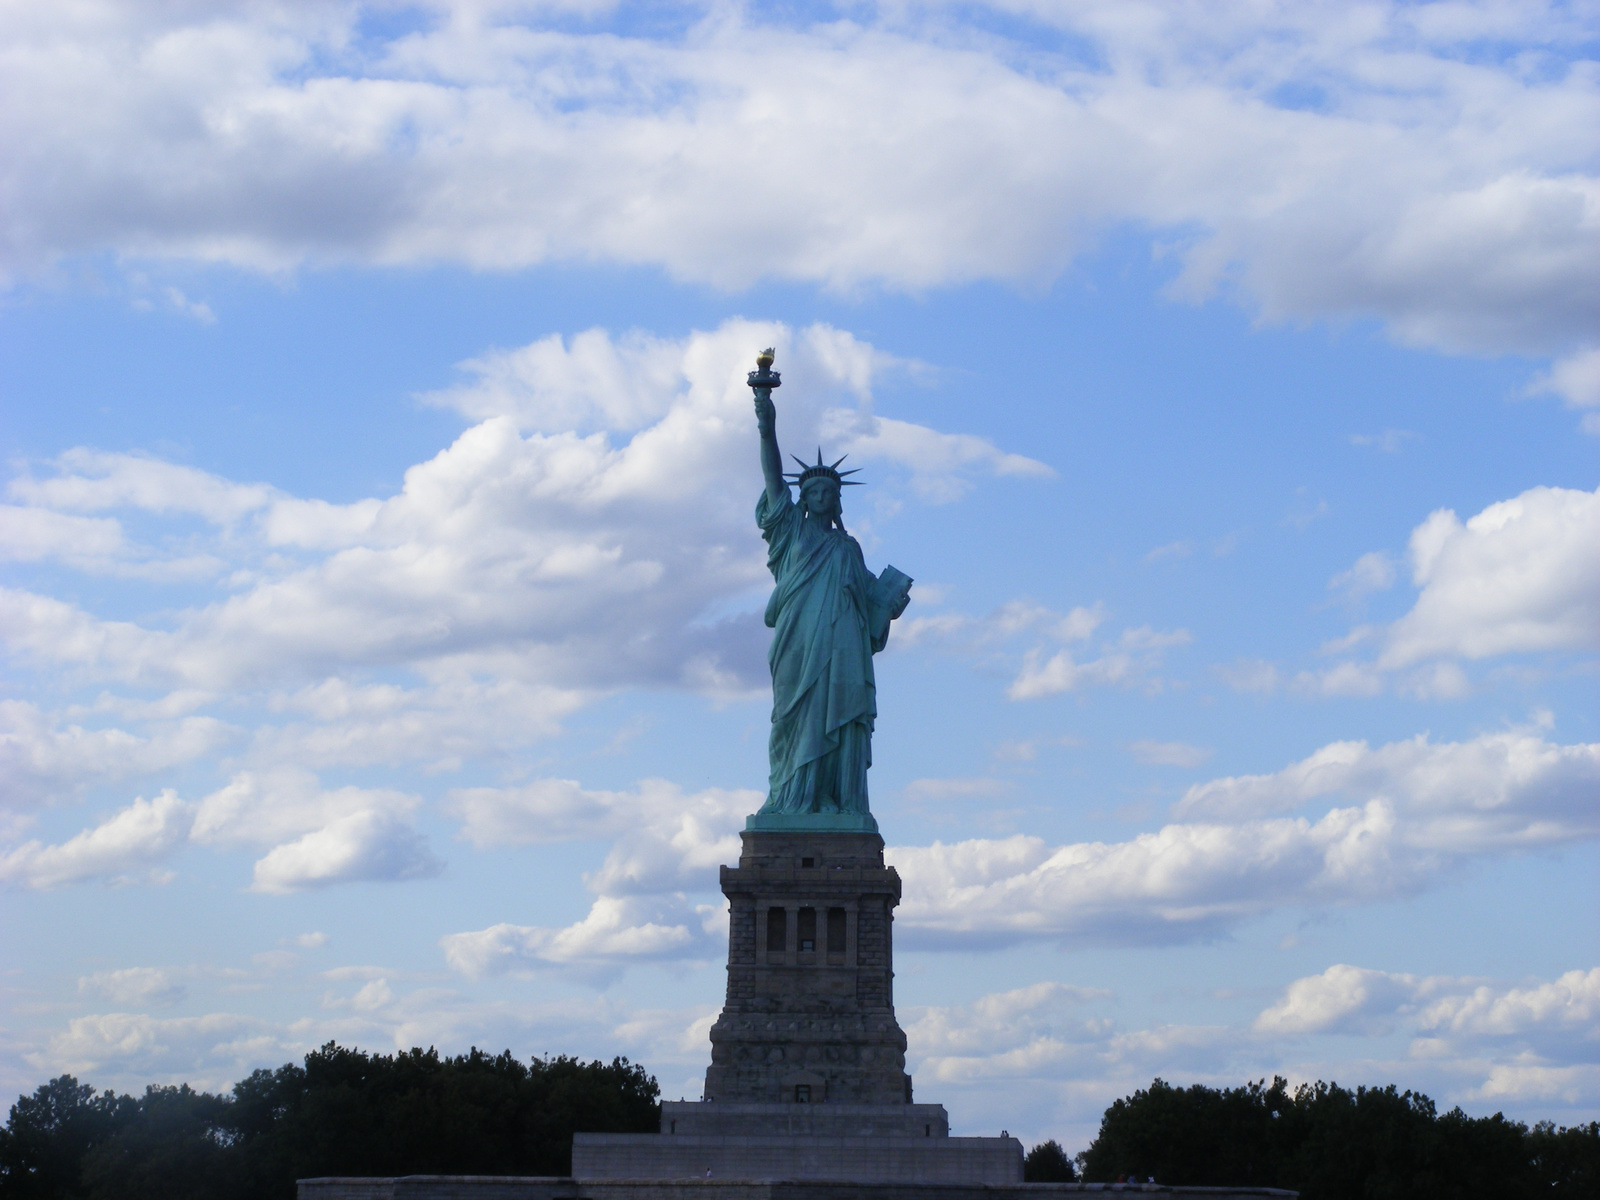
point(484, 1187)
point(805, 1120)
point(597, 1156)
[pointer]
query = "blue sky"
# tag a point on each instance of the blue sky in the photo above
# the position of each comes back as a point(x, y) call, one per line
point(382, 594)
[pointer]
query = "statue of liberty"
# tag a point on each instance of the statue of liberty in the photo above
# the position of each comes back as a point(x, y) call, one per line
point(829, 615)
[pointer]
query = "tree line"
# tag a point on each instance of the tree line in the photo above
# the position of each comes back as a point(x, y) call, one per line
point(1328, 1143)
point(343, 1112)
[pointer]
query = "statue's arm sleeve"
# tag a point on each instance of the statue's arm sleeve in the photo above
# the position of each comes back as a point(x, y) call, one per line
point(773, 513)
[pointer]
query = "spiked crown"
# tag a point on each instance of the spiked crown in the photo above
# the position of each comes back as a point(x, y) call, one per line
point(813, 470)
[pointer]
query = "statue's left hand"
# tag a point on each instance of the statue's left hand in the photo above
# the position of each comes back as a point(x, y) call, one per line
point(899, 606)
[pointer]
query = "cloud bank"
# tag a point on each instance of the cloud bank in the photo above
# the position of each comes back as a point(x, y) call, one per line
point(1418, 810)
point(1315, 161)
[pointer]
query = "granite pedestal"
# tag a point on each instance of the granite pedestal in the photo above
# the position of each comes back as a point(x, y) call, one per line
point(807, 1078)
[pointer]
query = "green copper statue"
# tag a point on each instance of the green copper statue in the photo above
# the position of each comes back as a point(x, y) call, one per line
point(830, 616)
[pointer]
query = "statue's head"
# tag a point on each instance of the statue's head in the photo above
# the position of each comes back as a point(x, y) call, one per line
point(819, 496)
point(820, 487)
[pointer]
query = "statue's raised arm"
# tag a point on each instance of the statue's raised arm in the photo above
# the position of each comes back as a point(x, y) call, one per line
point(829, 616)
point(763, 380)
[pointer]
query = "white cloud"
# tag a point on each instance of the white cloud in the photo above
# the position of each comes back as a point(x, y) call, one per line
point(127, 846)
point(1372, 572)
point(516, 576)
point(1168, 754)
point(1389, 441)
point(1046, 1059)
point(939, 462)
point(1420, 809)
point(260, 808)
point(1342, 679)
point(1570, 1003)
point(143, 987)
point(323, 836)
point(1577, 1085)
point(565, 560)
point(1251, 675)
point(586, 383)
point(1576, 379)
point(42, 760)
point(361, 846)
point(1522, 575)
point(1529, 1040)
point(947, 1039)
point(1342, 999)
point(617, 928)
point(666, 844)
point(31, 534)
point(1515, 777)
point(1431, 187)
point(222, 1045)
point(128, 1050)
point(96, 481)
point(1131, 659)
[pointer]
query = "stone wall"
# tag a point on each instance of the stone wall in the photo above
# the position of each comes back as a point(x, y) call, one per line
point(855, 1158)
point(477, 1187)
point(805, 1120)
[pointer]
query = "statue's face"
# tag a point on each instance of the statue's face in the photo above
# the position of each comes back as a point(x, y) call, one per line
point(821, 497)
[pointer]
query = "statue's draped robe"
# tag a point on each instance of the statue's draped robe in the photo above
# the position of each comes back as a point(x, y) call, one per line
point(829, 620)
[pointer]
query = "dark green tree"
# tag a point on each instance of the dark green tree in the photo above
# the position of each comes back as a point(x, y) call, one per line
point(1048, 1163)
point(174, 1147)
point(48, 1135)
point(1566, 1162)
point(1332, 1143)
point(343, 1112)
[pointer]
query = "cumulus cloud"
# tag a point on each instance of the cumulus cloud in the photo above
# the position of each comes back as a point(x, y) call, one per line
point(666, 844)
point(1568, 1004)
point(541, 556)
point(363, 846)
point(164, 1047)
point(139, 987)
point(1131, 660)
point(1515, 776)
point(1576, 379)
point(1342, 999)
point(1314, 164)
point(1051, 1055)
point(317, 836)
point(1418, 810)
point(1522, 575)
point(126, 847)
point(617, 928)
point(44, 759)
point(345, 835)
point(31, 534)
point(522, 572)
point(1532, 1040)
point(1026, 1029)
point(89, 480)
point(1050, 652)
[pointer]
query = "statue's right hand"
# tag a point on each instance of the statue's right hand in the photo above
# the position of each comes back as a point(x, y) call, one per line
point(766, 413)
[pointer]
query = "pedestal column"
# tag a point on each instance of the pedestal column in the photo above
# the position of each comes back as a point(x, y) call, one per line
point(818, 1025)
